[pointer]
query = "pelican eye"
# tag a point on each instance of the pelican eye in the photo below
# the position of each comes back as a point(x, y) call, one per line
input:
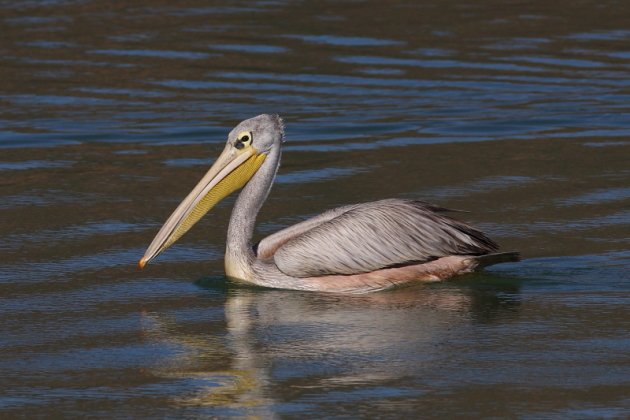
point(243, 139)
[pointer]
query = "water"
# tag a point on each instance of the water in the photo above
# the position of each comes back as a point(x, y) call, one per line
point(110, 113)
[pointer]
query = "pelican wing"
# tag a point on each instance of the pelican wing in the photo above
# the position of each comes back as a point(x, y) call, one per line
point(366, 237)
point(268, 246)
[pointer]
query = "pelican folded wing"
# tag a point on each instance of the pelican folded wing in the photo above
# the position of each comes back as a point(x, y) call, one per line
point(379, 234)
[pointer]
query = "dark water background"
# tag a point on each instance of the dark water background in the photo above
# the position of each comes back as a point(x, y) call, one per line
point(516, 111)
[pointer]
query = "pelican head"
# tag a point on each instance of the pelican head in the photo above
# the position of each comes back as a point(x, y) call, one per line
point(247, 146)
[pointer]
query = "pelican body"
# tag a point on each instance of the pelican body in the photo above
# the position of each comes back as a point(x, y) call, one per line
point(351, 249)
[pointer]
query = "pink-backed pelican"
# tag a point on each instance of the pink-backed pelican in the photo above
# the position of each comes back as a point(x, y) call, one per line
point(351, 249)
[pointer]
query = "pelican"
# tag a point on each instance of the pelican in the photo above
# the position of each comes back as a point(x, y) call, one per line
point(356, 248)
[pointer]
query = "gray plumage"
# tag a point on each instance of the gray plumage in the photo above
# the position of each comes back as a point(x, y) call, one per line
point(370, 236)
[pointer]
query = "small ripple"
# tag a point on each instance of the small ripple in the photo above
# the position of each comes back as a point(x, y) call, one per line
point(624, 55)
point(131, 152)
point(51, 237)
point(36, 272)
point(381, 71)
point(337, 80)
point(59, 100)
point(48, 44)
point(490, 127)
point(189, 55)
point(64, 328)
point(73, 63)
point(64, 270)
point(589, 410)
point(613, 35)
point(276, 87)
point(83, 359)
point(555, 61)
point(551, 83)
point(50, 196)
point(87, 299)
point(210, 10)
point(35, 164)
point(185, 162)
point(126, 92)
point(317, 175)
point(36, 396)
point(595, 133)
point(348, 146)
point(212, 28)
point(434, 52)
point(439, 64)
point(603, 195)
point(133, 37)
point(36, 20)
point(481, 186)
point(533, 229)
point(566, 272)
point(13, 139)
point(606, 143)
point(250, 48)
point(345, 41)
point(518, 43)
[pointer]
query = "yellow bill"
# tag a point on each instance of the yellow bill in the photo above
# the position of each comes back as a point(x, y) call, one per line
point(229, 173)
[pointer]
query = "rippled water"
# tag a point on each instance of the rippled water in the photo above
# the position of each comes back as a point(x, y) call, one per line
point(111, 111)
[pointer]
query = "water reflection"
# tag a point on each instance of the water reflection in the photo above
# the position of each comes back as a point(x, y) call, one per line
point(298, 342)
